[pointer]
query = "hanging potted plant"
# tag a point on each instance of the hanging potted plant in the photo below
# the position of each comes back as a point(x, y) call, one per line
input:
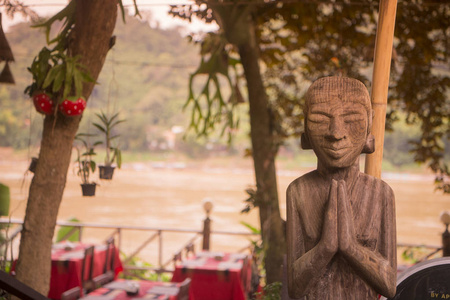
point(58, 77)
point(33, 164)
point(85, 164)
point(113, 154)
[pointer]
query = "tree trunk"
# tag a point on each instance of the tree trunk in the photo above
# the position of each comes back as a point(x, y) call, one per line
point(264, 151)
point(239, 28)
point(94, 25)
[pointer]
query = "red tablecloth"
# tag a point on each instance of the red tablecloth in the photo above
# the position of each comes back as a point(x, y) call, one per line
point(116, 290)
point(215, 275)
point(67, 266)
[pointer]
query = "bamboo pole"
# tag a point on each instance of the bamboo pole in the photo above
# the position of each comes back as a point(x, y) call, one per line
point(380, 81)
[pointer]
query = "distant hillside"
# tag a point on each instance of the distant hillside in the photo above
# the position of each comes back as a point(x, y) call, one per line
point(145, 78)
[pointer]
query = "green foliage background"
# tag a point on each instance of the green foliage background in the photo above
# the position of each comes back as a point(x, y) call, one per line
point(145, 78)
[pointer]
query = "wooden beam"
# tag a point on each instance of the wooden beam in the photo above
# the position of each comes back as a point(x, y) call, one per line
point(380, 81)
point(19, 289)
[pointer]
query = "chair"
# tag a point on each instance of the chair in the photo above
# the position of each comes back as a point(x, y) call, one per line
point(244, 273)
point(183, 294)
point(72, 294)
point(88, 268)
point(86, 271)
point(108, 269)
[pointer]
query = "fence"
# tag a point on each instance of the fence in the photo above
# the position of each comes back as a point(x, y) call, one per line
point(147, 236)
point(413, 252)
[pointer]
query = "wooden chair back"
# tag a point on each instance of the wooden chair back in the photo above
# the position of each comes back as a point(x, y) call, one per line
point(183, 294)
point(72, 294)
point(108, 269)
point(109, 259)
point(87, 268)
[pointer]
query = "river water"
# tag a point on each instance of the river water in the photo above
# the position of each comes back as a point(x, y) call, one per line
point(171, 196)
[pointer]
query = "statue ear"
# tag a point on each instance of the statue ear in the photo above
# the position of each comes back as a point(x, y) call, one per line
point(304, 142)
point(369, 146)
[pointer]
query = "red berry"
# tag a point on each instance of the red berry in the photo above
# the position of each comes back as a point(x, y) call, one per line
point(72, 106)
point(43, 103)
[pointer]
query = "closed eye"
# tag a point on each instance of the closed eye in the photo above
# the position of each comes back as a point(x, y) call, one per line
point(318, 118)
point(353, 117)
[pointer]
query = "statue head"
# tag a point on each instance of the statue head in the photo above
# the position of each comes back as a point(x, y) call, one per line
point(338, 118)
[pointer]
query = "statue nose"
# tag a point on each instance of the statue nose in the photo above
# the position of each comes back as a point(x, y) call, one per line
point(336, 130)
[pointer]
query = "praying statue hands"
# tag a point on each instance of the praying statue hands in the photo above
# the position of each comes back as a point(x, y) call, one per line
point(339, 231)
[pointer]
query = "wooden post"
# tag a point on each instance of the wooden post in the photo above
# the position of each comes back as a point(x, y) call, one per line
point(380, 81)
point(206, 233)
point(445, 218)
point(207, 206)
point(446, 242)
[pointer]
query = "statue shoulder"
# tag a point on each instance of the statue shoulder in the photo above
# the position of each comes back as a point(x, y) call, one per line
point(302, 185)
point(377, 186)
point(303, 180)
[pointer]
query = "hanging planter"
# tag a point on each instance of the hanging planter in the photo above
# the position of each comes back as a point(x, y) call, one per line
point(72, 106)
point(5, 55)
point(33, 164)
point(56, 74)
point(113, 154)
point(85, 164)
point(6, 75)
point(106, 172)
point(88, 189)
point(43, 103)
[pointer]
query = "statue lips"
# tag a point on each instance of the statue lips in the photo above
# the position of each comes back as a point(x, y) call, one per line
point(336, 151)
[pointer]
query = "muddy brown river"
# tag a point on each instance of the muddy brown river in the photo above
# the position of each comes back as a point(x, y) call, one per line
point(170, 196)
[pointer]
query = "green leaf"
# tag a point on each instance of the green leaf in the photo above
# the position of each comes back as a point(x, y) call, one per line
point(252, 228)
point(87, 77)
point(65, 13)
point(68, 81)
point(118, 157)
point(51, 75)
point(122, 10)
point(116, 123)
point(92, 165)
point(99, 127)
point(78, 82)
point(58, 81)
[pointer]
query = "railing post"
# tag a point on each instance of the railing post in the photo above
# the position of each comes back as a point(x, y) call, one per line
point(119, 242)
point(79, 232)
point(160, 260)
point(207, 206)
point(445, 218)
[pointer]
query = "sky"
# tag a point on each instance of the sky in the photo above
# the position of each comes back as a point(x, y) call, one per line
point(158, 9)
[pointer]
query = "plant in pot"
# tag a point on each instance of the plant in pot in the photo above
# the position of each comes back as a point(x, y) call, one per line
point(106, 126)
point(58, 76)
point(85, 164)
point(33, 164)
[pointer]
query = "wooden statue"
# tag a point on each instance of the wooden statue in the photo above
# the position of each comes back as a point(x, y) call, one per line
point(340, 222)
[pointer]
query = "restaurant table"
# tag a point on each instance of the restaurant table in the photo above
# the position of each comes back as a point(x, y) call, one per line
point(216, 275)
point(67, 262)
point(117, 290)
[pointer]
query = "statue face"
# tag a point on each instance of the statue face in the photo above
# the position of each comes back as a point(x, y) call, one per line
point(337, 131)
